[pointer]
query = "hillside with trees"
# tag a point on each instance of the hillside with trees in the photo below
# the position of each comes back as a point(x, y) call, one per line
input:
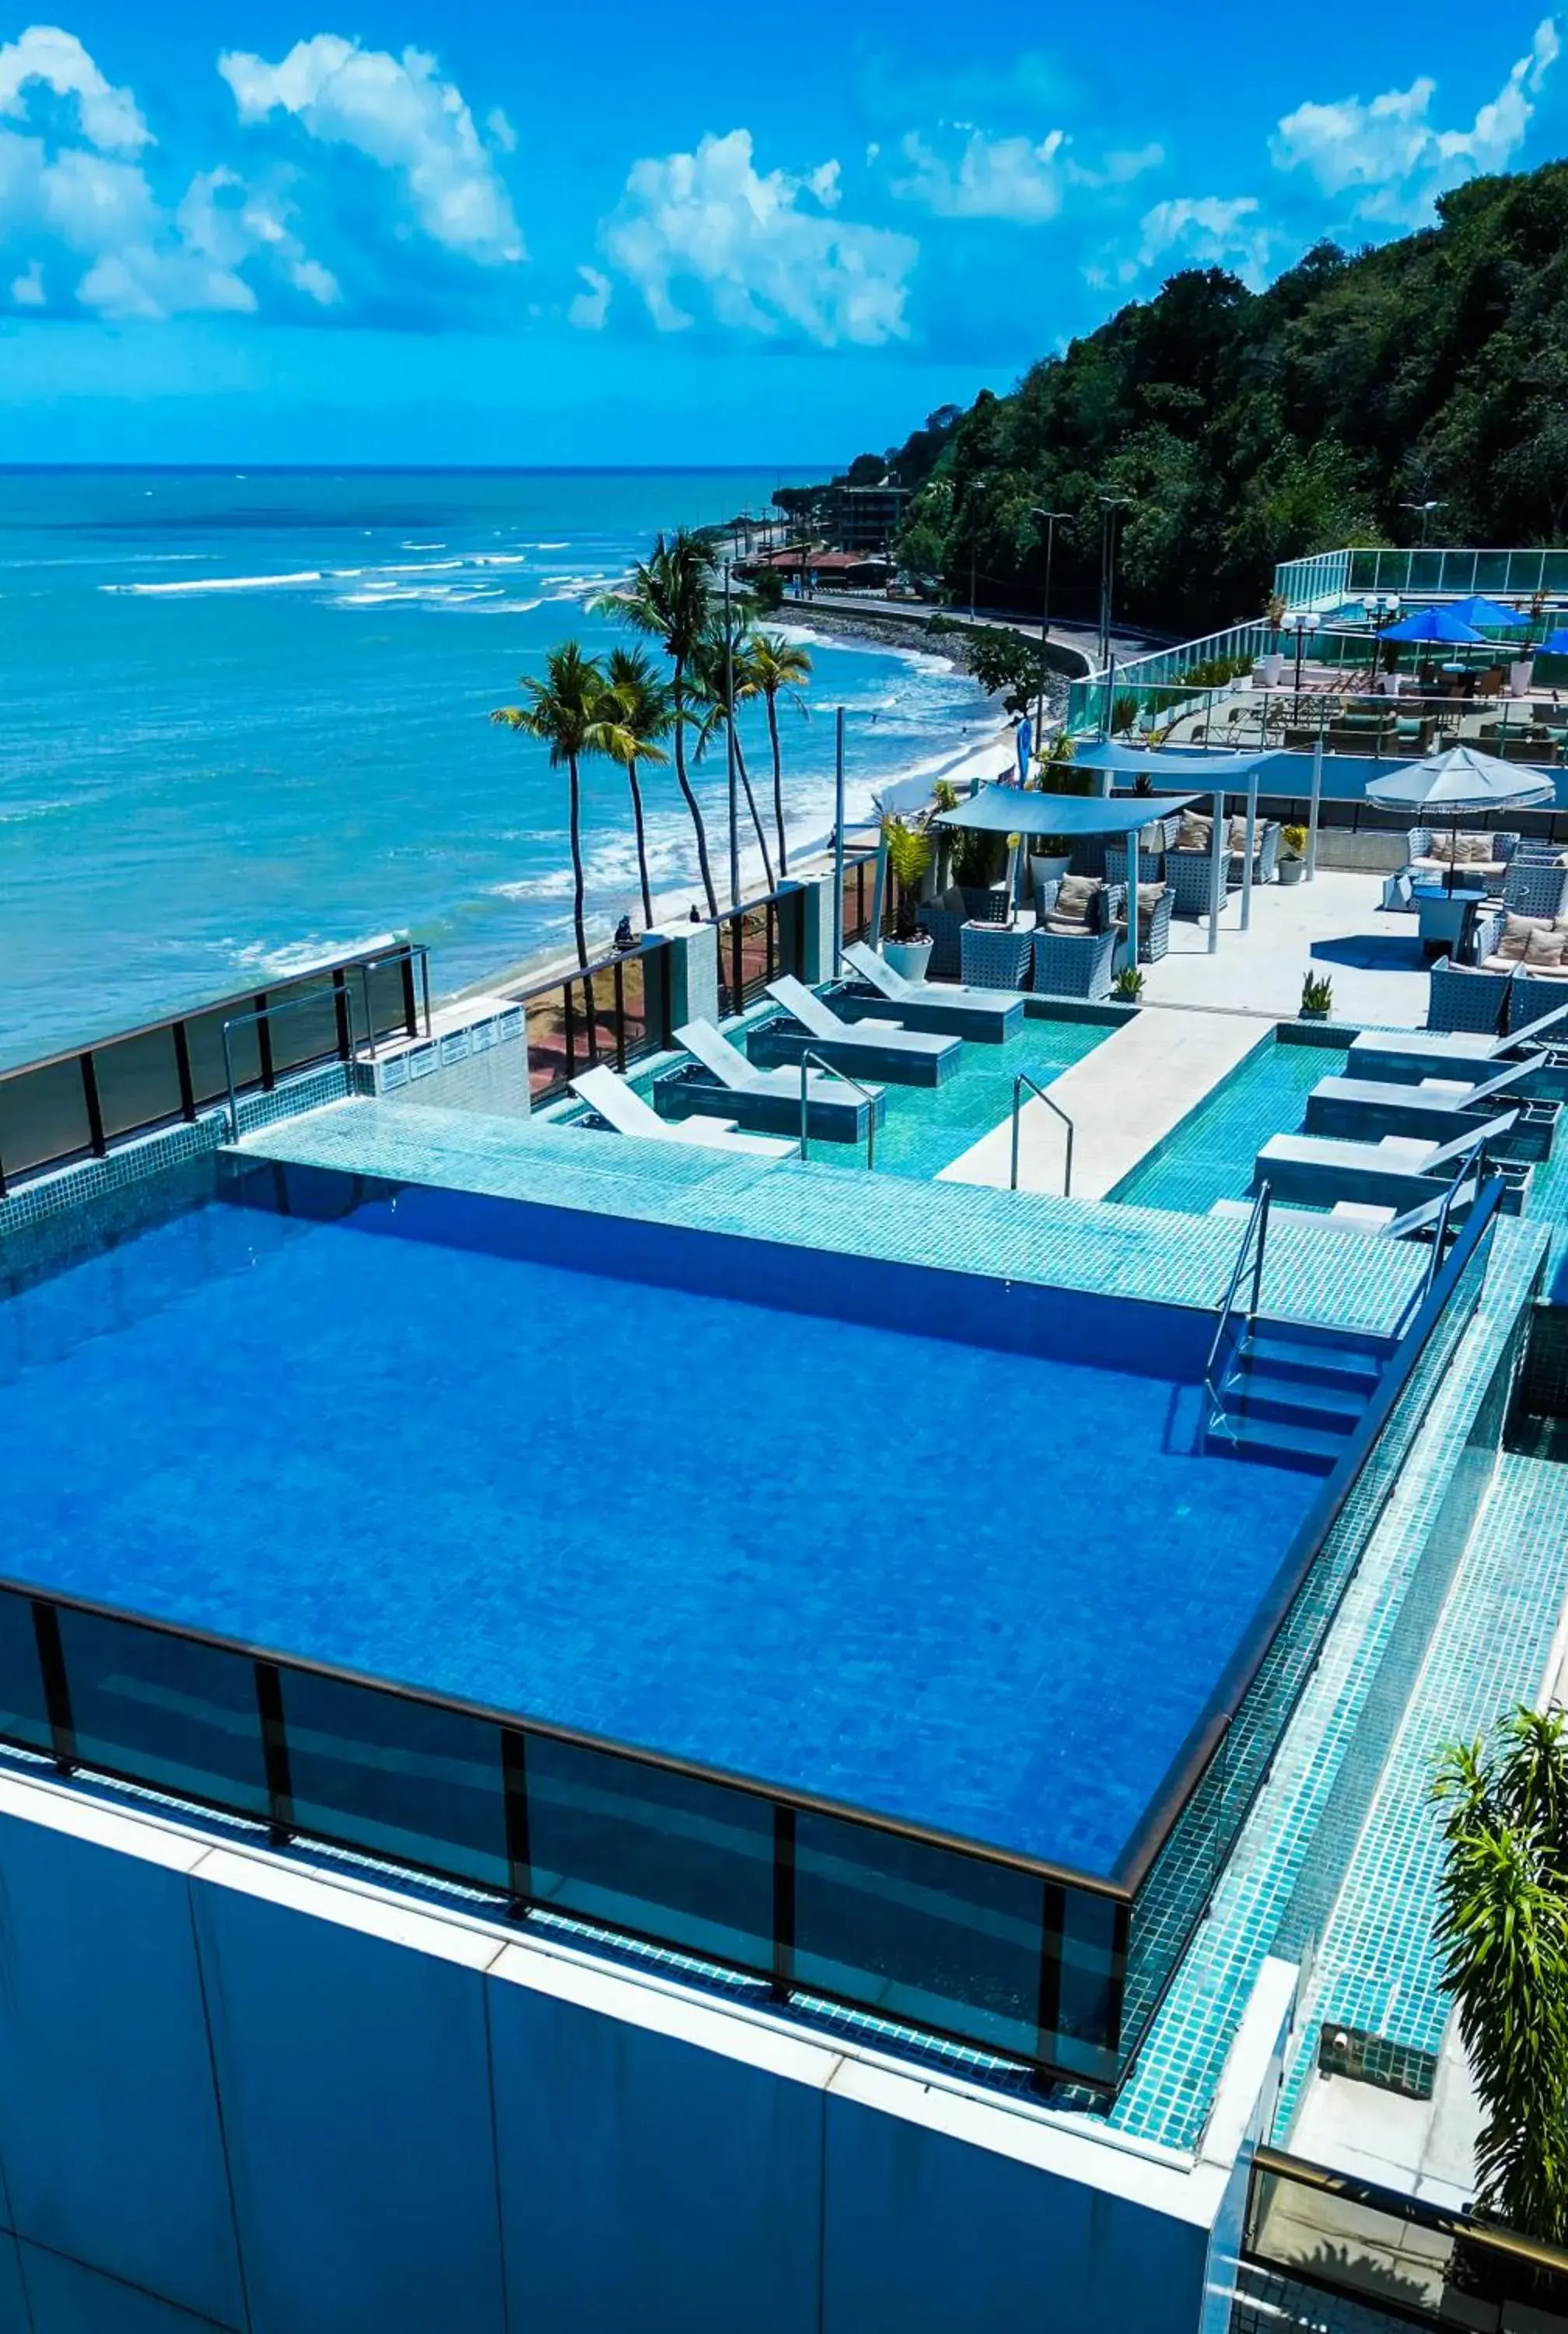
point(1245, 428)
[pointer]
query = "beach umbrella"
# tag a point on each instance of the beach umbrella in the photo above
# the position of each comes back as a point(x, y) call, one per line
point(1478, 610)
point(1461, 783)
point(1556, 646)
point(1025, 743)
point(1435, 624)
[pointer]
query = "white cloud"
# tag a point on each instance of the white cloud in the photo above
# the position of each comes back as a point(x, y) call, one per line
point(224, 220)
point(399, 113)
point(1204, 231)
point(1389, 158)
point(766, 250)
point(27, 289)
point(44, 55)
point(591, 307)
point(992, 178)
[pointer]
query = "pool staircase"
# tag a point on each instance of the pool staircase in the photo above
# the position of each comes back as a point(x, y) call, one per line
point(1289, 1393)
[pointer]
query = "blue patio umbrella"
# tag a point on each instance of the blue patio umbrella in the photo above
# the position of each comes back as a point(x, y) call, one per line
point(1478, 610)
point(1556, 646)
point(1025, 744)
point(1435, 624)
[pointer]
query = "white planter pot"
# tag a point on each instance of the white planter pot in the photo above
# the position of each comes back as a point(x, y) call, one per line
point(1519, 677)
point(1290, 871)
point(911, 959)
point(1270, 667)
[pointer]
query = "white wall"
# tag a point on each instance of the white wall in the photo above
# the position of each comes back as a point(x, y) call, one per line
point(238, 2092)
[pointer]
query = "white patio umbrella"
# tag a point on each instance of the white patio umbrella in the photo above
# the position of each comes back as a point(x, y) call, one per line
point(1460, 784)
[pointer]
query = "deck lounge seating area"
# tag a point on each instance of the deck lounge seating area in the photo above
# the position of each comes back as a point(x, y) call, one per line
point(1401, 1172)
point(721, 1082)
point(620, 1108)
point(878, 993)
point(883, 1051)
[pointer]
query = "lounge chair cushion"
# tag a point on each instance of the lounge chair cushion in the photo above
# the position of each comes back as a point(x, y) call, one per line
point(1195, 833)
point(1237, 838)
point(1069, 927)
point(1543, 950)
point(1075, 898)
point(1518, 931)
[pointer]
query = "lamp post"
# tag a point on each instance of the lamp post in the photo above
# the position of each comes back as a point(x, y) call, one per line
point(1050, 517)
point(1425, 511)
point(1379, 606)
point(1109, 507)
point(1299, 621)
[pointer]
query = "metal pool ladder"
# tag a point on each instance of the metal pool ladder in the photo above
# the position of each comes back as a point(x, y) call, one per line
point(1216, 1372)
point(865, 1092)
point(1021, 1080)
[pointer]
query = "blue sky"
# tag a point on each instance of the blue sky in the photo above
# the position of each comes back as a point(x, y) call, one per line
point(464, 233)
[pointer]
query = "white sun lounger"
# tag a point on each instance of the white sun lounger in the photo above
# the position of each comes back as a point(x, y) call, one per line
point(866, 1050)
point(1404, 1055)
point(1363, 1108)
point(1358, 1216)
point(623, 1108)
point(723, 1060)
point(990, 1016)
point(1401, 1172)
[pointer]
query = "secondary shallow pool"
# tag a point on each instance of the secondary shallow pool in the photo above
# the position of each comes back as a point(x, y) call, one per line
point(989, 1592)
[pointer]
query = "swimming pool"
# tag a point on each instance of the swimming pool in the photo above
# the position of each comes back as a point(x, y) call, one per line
point(988, 1591)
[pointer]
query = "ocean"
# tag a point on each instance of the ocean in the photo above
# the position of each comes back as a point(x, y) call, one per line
point(245, 726)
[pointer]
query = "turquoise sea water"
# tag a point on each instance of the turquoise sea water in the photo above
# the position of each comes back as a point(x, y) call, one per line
point(246, 725)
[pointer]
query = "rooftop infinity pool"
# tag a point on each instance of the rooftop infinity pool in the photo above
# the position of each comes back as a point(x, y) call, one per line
point(436, 1438)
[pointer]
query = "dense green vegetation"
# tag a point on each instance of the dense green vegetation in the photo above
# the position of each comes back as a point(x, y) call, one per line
point(1245, 428)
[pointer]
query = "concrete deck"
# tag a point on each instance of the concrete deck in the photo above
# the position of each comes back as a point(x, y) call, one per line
point(1334, 926)
point(1122, 1099)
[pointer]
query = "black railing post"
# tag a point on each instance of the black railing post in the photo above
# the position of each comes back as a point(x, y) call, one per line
point(269, 1700)
point(410, 1004)
point(56, 1684)
point(1048, 2009)
point(569, 1017)
point(618, 979)
point(264, 1043)
point(94, 1108)
point(182, 1071)
point(783, 1898)
point(341, 1008)
point(519, 1850)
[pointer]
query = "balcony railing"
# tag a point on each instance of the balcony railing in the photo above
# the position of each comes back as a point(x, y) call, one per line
point(1437, 570)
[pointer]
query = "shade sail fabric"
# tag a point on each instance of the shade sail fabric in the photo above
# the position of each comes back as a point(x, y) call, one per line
point(1434, 624)
point(1181, 762)
point(1010, 810)
point(1478, 610)
point(1460, 782)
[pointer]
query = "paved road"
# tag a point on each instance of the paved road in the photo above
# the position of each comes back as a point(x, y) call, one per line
point(1081, 638)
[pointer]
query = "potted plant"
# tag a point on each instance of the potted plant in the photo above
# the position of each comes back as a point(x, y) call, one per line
point(1270, 664)
point(1128, 986)
point(909, 856)
point(1292, 844)
point(1317, 998)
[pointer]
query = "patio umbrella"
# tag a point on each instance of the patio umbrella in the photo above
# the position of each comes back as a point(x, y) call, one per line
point(1556, 646)
point(1478, 610)
point(1459, 784)
point(1435, 624)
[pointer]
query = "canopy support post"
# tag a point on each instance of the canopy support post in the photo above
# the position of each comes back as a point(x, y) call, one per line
point(1216, 870)
point(1134, 846)
point(1312, 850)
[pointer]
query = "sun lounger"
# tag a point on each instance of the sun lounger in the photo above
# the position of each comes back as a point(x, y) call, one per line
point(1401, 1172)
point(767, 1100)
point(623, 1107)
point(1407, 1055)
point(1358, 1216)
point(988, 1016)
point(864, 1049)
point(1363, 1109)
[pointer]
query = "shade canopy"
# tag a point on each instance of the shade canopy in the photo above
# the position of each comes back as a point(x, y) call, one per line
point(1478, 610)
point(1010, 810)
point(1434, 624)
point(1182, 763)
point(1460, 782)
point(1556, 646)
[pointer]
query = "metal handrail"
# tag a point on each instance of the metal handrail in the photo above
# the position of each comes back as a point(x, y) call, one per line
point(394, 956)
point(1257, 1222)
point(866, 1093)
point(1473, 1162)
point(1021, 1080)
point(265, 1013)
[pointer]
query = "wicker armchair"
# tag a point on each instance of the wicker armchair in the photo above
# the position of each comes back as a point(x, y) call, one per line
point(1088, 855)
point(1067, 967)
point(1536, 891)
point(1153, 927)
point(995, 956)
point(1464, 999)
point(1150, 865)
point(1189, 876)
point(1264, 854)
point(946, 926)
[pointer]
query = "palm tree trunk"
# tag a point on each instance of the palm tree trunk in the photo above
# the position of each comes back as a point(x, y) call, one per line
point(642, 842)
point(578, 923)
point(685, 783)
point(783, 863)
point(751, 806)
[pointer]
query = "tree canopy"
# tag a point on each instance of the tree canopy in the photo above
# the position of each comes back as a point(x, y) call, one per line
point(1245, 428)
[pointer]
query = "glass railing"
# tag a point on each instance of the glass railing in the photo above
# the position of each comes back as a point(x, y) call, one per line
point(1315, 582)
point(1435, 570)
point(75, 1105)
point(1397, 2254)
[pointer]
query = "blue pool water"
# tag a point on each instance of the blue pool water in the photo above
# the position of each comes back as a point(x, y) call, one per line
point(985, 1592)
point(1209, 1156)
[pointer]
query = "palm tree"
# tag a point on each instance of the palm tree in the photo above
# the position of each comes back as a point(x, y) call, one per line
point(643, 710)
point(712, 667)
point(570, 711)
point(778, 665)
point(1502, 1932)
point(668, 597)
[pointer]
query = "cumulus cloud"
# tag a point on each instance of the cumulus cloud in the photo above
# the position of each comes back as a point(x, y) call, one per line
point(46, 57)
point(590, 308)
point(224, 220)
point(1204, 231)
point(990, 178)
point(27, 289)
point(399, 114)
point(768, 253)
point(1390, 159)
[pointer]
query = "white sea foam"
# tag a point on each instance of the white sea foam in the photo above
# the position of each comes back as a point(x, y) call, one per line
point(219, 583)
point(282, 963)
point(421, 546)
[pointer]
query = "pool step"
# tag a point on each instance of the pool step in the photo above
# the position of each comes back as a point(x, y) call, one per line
point(1296, 1393)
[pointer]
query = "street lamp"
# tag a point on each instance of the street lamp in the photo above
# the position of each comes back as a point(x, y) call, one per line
point(1379, 606)
point(1050, 517)
point(1109, 507)
point(1301, 624)
point(1426, 510)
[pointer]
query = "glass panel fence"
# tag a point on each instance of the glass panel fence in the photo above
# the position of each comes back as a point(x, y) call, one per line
point(138, 1082)
point(600, 1036)
point(636, 1036)
point(42, 1116)
point(758, 961)
point(396, 1777)
point(203, 1037)
point(919, 1932)
point(305, 1025)
point(391, 984)
point(668, 1856)
point(165, 1710)
point(24, 1713)
point(549, 1061)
